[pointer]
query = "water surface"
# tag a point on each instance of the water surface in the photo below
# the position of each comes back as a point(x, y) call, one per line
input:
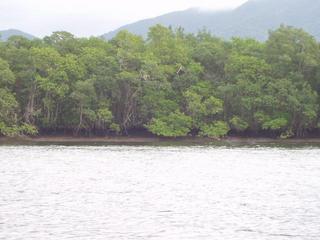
point(164, 192)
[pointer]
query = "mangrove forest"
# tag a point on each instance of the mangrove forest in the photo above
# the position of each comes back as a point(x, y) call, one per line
point(169, 84)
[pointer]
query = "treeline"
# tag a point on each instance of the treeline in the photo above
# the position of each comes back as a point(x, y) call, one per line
point(170, 84)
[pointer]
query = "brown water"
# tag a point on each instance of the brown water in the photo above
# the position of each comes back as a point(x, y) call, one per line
point(150, 192)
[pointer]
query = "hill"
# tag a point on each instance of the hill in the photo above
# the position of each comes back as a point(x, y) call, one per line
point(4, 35)
point(252, 19)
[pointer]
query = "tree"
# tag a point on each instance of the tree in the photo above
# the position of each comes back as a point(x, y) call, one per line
point(85, 97)
point(52, 82)
point(244, 91)
point(127, 88)
point(8, 103)
point(63, 42)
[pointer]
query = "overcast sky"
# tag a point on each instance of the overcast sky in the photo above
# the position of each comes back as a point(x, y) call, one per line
point(91, 17)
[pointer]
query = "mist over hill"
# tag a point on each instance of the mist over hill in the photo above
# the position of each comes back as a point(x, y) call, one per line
point(252, 19)
point(6, 34)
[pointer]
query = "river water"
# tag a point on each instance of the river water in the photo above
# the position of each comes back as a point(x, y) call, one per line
point(159, 192)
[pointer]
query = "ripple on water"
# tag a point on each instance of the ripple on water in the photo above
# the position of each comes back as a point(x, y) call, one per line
point(145, 192)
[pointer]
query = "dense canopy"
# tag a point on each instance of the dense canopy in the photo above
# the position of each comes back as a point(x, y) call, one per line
point(171, 84)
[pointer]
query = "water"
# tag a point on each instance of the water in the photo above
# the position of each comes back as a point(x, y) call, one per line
point(149, 192)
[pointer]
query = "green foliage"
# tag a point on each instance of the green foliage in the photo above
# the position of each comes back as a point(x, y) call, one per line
point(8, 103)
point(6, 75)
point(275, 124)
point(175, 124)
point(8, 131)
point(115, 128)
point(172, 84)
point(105, 115)
point(238, 124)
point(292, 50)
point(200, 105)
point(14, 130)
point(213, 106)
point(243, 67)
point(216, 129)
point(27, 129)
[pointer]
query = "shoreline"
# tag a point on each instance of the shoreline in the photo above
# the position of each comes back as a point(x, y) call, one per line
point(154, 140)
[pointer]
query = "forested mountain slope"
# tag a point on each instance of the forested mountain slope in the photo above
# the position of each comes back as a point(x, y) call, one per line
point(253, 19)
point(6, 34)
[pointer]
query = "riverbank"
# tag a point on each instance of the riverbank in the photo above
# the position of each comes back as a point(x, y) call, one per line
point(152, 140)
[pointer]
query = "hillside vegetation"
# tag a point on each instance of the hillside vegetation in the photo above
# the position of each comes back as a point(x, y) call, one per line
point(252, 19)
point(6, 34)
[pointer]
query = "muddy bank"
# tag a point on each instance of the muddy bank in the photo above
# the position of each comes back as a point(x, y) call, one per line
point(154, 140)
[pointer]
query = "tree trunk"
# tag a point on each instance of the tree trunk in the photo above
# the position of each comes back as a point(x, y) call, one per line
point(28, 116)
point(80, 120)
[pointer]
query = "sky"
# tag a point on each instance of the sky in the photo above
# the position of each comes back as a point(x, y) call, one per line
point(91, 17)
